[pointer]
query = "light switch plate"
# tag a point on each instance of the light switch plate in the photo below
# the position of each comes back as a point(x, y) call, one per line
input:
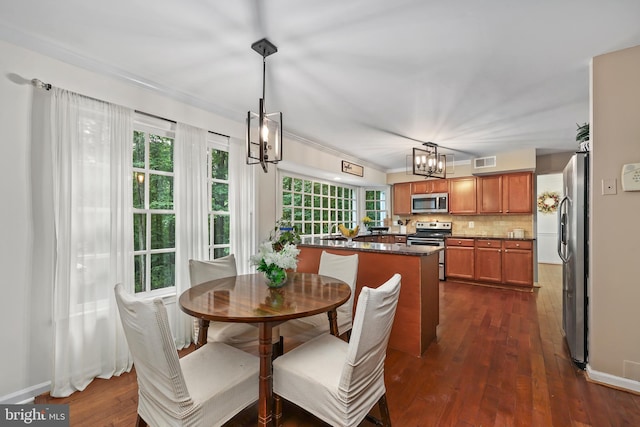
point(609, 186)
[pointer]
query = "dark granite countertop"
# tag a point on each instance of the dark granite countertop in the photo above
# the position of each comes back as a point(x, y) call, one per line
point(387, 248)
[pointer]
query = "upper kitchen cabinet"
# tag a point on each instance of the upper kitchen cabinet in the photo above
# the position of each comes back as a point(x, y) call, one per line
point(462, 195)
point(430, 186)
point(490, 194)
point(508, 193)
point(402, 198)
point(517, 192)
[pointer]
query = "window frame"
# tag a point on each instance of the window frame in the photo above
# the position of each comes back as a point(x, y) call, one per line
point(328, 226)
point(214, 144)
point(163, 129)
point(385, 213)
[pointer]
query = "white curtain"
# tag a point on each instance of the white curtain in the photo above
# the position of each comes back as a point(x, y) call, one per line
point(91, 186)
point(192, 205)
point(242, 198)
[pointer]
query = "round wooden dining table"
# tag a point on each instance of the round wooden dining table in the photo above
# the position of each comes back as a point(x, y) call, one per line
point(247, 299)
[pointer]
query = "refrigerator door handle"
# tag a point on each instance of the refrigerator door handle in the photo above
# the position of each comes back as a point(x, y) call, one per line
point(562, 229)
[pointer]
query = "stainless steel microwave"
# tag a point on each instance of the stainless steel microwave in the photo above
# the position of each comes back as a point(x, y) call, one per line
point(430, 203)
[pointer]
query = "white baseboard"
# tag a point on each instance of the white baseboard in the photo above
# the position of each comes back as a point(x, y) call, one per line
point(26, 395)
point(613, 381)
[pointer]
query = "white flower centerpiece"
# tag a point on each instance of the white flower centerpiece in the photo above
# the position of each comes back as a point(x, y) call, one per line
point(278, 254)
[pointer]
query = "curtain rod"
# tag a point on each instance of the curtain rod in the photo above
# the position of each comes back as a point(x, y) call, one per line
point(47, 86)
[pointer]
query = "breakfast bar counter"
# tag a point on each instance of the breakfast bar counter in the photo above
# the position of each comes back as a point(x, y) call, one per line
point(417, 315)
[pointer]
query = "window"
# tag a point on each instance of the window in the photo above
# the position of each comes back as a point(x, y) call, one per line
point(375, 206)
point(314, 207)
point(154, 219)
point(219, 216)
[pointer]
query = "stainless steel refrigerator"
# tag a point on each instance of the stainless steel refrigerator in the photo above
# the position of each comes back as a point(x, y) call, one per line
point(573, 249)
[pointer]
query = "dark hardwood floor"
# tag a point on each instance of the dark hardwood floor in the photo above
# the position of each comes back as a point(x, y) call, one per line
point(500, 360)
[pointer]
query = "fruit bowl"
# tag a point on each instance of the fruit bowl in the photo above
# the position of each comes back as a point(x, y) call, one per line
point(349, 233)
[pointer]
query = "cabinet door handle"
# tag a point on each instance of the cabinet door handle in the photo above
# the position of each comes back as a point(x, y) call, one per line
point(500, 250)
point(506, 250)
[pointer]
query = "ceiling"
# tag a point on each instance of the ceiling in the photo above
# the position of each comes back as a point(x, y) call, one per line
point(370, 78)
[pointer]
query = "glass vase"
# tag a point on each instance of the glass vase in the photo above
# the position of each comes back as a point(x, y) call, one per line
point(276, 277)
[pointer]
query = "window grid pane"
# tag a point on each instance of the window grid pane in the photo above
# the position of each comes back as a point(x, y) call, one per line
point(376, 206)
point(153, 216)
point(316, 207)
point(219, 218)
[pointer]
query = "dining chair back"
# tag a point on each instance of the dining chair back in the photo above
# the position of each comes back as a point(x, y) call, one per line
point(204, 271)
point(341, 267)
point(340, 382)
point(345, 268)
point(206, 387)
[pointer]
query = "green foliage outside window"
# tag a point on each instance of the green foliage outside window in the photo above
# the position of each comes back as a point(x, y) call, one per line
point(219, 218)
point(375, 207)
point(153, 218)
point(314, 207)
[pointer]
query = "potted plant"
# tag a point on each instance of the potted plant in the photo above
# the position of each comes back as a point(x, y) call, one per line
point(582, 136)
point(278, 254)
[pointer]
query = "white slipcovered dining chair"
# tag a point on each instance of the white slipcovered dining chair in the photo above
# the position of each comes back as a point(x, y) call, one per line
point(240, 335)
point(336, 381)
point(341, 267)
point(204, 388)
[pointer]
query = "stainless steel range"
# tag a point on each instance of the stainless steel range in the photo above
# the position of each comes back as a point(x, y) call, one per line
point(432, 234)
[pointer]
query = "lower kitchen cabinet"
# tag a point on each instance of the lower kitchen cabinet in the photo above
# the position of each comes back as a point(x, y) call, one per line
point(517, 260)
point(382, 238)
point(488, 260)
point(459, 255)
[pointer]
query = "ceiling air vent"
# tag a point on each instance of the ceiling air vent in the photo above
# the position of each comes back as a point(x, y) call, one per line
point(484, 162)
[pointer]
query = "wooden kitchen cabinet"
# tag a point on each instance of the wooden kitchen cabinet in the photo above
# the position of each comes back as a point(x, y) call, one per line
point(517, 193)
point(462, 195)
point(402, 198)
point(399, 239)
point(507, 193)
point(489, 194)
point(430, 186)
point(488, 260)
point(517, 262)
point(381, 238)
point(385, 238)
point(460, 259)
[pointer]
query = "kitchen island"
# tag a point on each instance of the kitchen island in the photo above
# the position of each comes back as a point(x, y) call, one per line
point(417, 315)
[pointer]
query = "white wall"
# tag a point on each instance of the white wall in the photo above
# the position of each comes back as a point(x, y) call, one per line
point(25, 317)
point(547, 224)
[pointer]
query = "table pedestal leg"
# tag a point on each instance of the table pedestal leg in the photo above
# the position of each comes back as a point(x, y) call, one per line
point(265, 391)
point(203, 329)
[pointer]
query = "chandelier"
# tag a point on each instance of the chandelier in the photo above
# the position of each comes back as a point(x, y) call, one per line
point(428, 163)
point(264, 130)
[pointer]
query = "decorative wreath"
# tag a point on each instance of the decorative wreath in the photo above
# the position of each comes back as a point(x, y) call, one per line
point(548, 202)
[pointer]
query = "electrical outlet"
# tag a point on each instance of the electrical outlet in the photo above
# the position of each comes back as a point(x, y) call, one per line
point(471, 224)
point(609, 186)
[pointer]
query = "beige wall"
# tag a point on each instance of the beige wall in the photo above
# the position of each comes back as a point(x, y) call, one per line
point(553, 163)
point(615, 229)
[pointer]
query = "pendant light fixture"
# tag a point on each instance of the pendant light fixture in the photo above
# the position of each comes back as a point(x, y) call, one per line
point(264, 130)
point(428, 163)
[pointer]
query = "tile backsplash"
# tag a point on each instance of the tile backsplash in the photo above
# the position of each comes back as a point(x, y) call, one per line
point(483, 225)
